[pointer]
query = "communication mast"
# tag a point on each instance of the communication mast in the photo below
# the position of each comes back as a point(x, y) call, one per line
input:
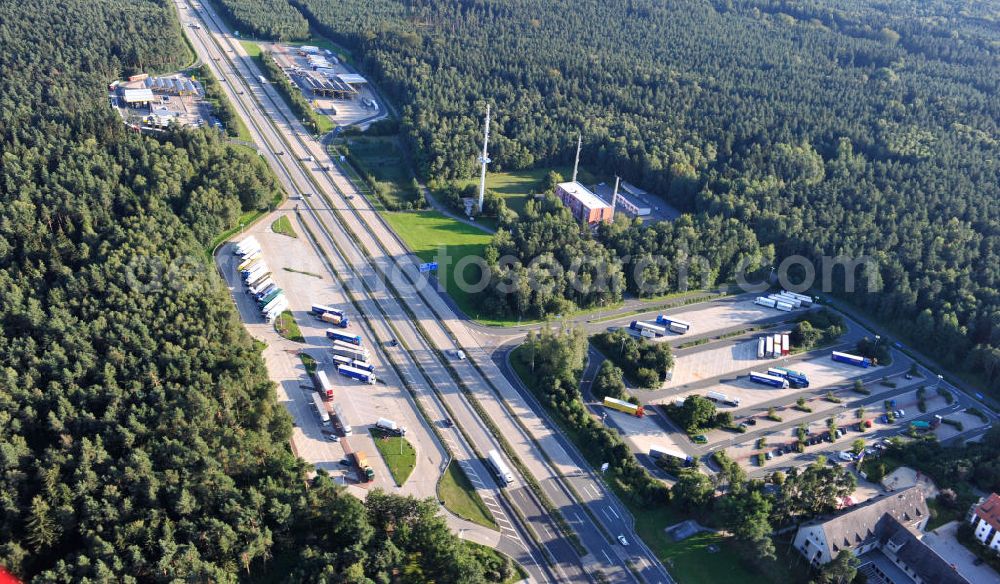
point(484, 159)
point(614, 197)
point(579, 142)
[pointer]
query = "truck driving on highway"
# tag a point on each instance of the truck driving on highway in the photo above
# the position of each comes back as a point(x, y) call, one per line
point(500, 468)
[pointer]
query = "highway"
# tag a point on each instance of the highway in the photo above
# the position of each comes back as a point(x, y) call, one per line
point(379, 276)
point(358, 270)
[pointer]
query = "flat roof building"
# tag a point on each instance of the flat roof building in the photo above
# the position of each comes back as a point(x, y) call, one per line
point(328, 86)
point(352, 78)
point(627, 203)
point(137, 97)
point(583, 203)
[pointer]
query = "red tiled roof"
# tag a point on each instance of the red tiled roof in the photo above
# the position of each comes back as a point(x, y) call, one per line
point(989, 511)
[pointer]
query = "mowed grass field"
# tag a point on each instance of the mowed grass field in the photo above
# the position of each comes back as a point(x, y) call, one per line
point(517, 186)
point(461, 498)
point(427, 232)
point(382, 158)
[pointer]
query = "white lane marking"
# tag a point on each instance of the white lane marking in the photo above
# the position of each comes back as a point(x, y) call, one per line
point(613, 512)
point(605, 511)
point(607, 556)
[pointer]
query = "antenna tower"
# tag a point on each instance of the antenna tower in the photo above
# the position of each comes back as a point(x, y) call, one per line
point(579, 142)
point(484, 159)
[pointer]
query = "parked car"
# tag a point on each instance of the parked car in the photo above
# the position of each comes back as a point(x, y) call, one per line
point(699, 439)
point(768, 456)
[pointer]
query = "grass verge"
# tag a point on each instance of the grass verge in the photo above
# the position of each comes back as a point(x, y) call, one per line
point(381, 159)
point(517, 186)
point(461, 498)
point(425, 232)
point(286, 326)
point(398, 454)
point(283, 226)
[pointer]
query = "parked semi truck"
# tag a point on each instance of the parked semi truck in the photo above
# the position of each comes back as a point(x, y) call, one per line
point(261, 285)
point(806, 300)
point(390, 427)
point(786, 343)
point(624, 406)
point(851, 359)
point(340, 420)
point(343, 337)
point(769, 346)
point(764, 301)
point(795, 302)
point(722, 398)
point(267, 298)
point(363, 365)
point(500, 468)
point(365, 471)
point(323, 385)
point(355, 373)
point(650, 328)
point(761, 347)
point(320, 309)
point(666, 454)
point(673, 324)
point(783, 306)
point(324, 415)
point(246, 244)
point(334, 319)
point(273, 304)
point(352, 354)
point(766, 379)
point(796, 381)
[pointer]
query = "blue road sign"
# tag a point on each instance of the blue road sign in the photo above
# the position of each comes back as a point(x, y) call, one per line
point(428, 267)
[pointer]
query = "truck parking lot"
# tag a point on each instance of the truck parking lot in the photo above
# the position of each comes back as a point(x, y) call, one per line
point(305, 282)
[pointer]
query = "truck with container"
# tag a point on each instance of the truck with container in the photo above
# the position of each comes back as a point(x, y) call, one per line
point(390, 426)
point(256, 272)
point(761, 347)
point(257, 287)
point(247, 261)
point(273, 314)
point(248, 266)
point(769, 346)
point(355, 373)
point(340, 420)
point(252, 268)
point(334, 319)
point(351, 353)
point(767, 379)
point(277, 304)
point(504, 476)
point(670, 459)
point(258, 280)
point(920, 425)
point(796, 380)
point(324, 415)
point(363, 365)
point(323, 385)
point(246, 247)
point(777, 344)
point(365, 471)
point(786, 343)
point(265, 292)
point(319, 309)
point(640, 326)
point(722, 398)
point(764, 301)
point(795, 302)
point(806, 300)
point(673, 324)
point(336, 335)
point(783, 306)
point(624, 406)
point(855, 360)
point(340, 360)
point(265, 300)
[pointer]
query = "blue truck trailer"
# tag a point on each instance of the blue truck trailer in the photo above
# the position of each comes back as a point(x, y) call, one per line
point(851, 359)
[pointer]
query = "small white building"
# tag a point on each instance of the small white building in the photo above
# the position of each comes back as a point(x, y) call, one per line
point(985, 520)
point(137, 97)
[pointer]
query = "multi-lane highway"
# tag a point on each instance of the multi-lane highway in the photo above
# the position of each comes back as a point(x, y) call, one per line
point(371, 263)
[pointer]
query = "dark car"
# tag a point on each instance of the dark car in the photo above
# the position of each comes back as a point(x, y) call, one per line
point(750, 421)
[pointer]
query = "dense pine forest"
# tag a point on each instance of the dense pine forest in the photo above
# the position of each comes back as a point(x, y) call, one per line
point(828, 127)
point(140, 438)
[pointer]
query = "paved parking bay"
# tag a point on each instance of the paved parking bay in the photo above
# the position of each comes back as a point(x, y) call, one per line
point(822, 372)
point(305, 281)
point(942, 540)
point(721, 314)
